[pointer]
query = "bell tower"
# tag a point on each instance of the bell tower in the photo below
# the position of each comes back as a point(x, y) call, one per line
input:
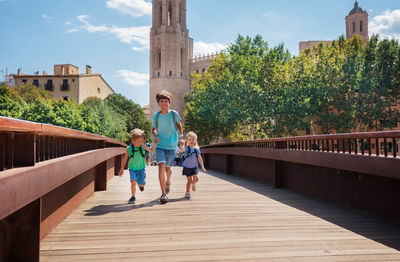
point(171, 50)
point(357, 22)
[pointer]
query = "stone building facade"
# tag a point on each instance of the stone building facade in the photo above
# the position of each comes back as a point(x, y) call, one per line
point(356, 23)
point(67, 83)
point(171, 54)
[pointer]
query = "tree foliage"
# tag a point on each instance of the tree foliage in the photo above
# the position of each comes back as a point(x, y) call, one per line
point(254, 91)
point(114, 117)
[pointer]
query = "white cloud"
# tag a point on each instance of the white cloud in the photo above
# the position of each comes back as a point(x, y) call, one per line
point(134, 78)
point(202, 48)
point(72, 30)
point(387, 24)
point(46, 18)
point(129, 35)
point(135, 8)
point(67, 23)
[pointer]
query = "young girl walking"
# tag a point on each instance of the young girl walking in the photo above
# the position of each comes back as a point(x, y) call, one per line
point(192, 159)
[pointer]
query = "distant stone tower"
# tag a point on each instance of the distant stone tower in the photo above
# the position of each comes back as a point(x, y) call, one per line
point(171, 50)
point(357, 23)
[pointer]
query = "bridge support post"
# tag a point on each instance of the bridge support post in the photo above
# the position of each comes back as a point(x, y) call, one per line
point(20, 234)
point(277, 168)
point(100, 180)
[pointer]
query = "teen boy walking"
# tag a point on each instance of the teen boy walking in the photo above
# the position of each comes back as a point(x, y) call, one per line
point(166, 124)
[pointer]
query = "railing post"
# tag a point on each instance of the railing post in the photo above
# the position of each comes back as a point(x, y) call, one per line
point(24, 149)
point(100, 181)
point(2, 151)
point(20, 232)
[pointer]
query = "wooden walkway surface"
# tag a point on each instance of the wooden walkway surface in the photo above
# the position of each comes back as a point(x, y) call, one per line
point(228, 219)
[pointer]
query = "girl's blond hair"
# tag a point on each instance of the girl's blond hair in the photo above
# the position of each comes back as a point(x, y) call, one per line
point(137, 133)
point(194, 135)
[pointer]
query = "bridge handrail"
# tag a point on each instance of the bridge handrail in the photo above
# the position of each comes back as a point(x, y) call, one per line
point(16, 125)
point(24, 143)
point(352, 143)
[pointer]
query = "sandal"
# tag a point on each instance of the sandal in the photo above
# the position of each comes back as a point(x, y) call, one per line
point(167, 187)
point(164, 198)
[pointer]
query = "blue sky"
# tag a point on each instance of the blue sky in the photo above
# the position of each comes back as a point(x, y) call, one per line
point(112, 35)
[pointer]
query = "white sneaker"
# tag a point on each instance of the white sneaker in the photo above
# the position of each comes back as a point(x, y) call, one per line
point(187, 195)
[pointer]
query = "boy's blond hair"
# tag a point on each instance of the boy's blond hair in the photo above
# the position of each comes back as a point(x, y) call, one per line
point(194, 135)
point(137, 133)
point(164, 94)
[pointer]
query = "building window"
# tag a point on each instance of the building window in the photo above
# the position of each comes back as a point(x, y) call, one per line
point(158, 74)
point(35, 82)
point(308, 131)
point(65, 85)
point(197, 71)
point(354, 27)
point(98, 90)
point(49, 85)
point(361, 26)
point(170, 73)
point(24, 81)
point(204, 70)
point(73, 80)
point(65, 98)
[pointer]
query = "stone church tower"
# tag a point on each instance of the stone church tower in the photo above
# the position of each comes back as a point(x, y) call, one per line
point(357, 23)
point(171, 51)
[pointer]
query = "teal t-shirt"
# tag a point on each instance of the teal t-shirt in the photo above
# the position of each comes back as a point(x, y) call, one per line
point(137, 162)
point(167, 130)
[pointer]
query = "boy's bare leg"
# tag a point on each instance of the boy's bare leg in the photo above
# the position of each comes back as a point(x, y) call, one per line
point(133, 187)
point(168, 171)
point(161, 176)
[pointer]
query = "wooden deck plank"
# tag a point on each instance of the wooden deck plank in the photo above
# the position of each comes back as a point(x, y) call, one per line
point(228, 219)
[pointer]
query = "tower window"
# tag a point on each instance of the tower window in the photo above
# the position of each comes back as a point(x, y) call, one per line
point(170, 14)
point(354, 27)
point(160, 17)
point(361, 26)
point(159, 59)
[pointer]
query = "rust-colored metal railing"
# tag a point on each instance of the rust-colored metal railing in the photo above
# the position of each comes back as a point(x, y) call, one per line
point(385, 143)
point(361, 170)
point(45, 173)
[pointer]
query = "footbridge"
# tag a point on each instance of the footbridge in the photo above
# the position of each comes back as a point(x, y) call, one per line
point(316, 198)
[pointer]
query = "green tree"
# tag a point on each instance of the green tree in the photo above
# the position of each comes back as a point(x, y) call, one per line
point(11, 104)
point(133, 113)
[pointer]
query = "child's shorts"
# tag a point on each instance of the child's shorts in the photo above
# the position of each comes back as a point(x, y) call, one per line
point(139, 176)
point(189, 171)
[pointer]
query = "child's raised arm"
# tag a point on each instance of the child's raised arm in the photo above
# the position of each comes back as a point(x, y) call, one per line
point(151, 149)
point(182, 146)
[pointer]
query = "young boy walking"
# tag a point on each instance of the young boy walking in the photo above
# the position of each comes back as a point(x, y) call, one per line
point(136, 153)
point(166, 124)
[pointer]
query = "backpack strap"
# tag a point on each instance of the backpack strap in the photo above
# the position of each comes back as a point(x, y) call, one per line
point(132, 155)
point(141, 150)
